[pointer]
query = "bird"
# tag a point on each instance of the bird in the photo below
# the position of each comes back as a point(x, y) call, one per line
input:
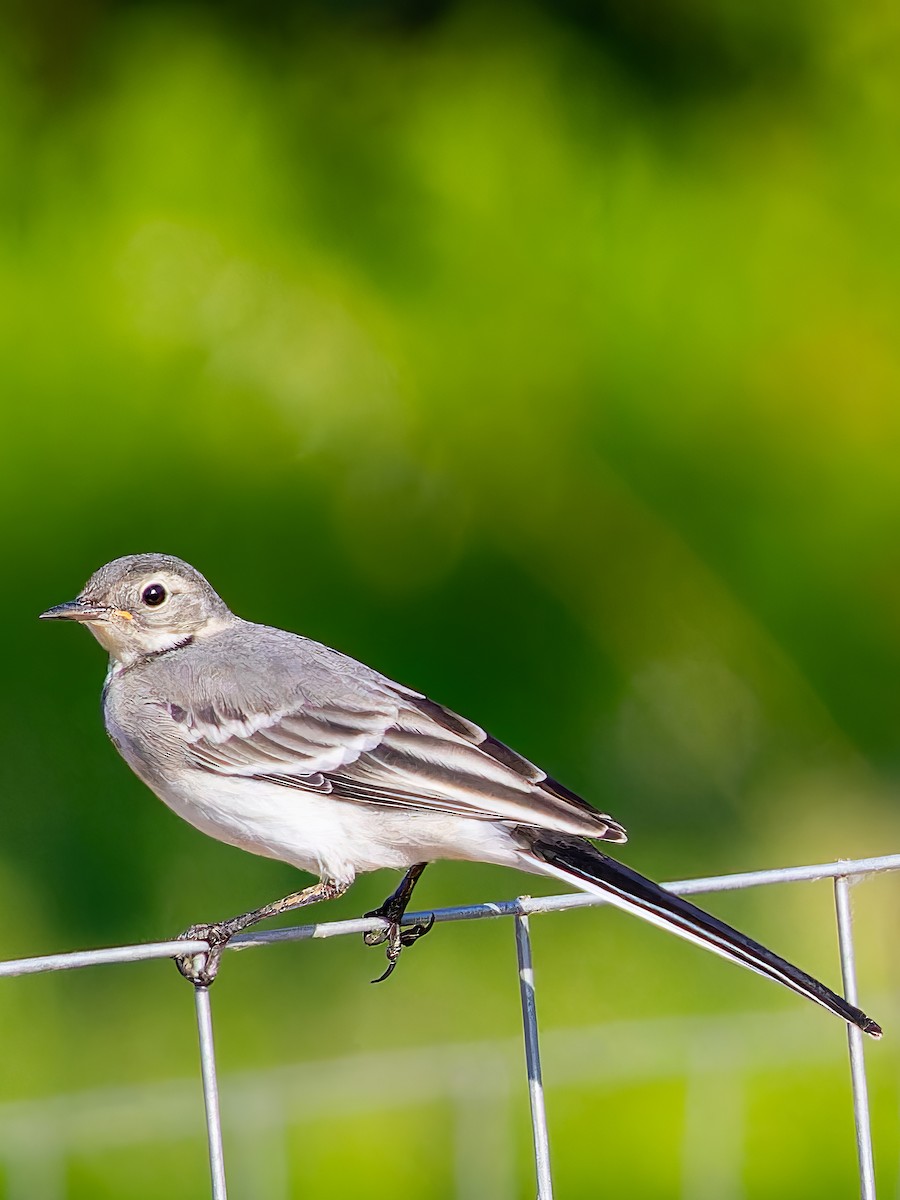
point(282, 746)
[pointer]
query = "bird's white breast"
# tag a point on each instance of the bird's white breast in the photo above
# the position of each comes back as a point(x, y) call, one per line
point(332, 838)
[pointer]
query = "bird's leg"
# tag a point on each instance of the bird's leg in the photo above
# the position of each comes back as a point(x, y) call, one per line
point(392, 911)
point(219, 933)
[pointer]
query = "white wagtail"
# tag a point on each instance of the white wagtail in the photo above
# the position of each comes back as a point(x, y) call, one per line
point(275, 743)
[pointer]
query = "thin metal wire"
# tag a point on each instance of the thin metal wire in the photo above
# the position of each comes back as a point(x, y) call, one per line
point(532, 905)
point(94, 958)
point(855, 1042)
point(520, 910)
point(527, 906)
point(533, 1061)
point(210, 1093)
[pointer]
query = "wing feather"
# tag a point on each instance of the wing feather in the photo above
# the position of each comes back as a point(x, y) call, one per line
point(398, 750)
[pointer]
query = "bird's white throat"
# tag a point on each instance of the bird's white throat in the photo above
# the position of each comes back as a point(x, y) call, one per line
point(127, 645)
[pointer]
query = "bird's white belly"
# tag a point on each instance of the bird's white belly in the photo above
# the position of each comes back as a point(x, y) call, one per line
point(337, 839)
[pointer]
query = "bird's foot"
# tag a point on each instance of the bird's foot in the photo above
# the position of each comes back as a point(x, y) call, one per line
point(394, 936)
point(201, 966)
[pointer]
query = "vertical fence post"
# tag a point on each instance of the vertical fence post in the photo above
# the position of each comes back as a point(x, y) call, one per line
point(855, 1040)
point(210, 1093)
point(49, 1165)
point(533, 1060)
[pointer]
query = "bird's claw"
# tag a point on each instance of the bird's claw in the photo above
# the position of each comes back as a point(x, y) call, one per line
point(200, 967)
point(396, 937)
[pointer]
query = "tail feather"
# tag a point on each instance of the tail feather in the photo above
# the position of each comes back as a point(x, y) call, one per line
point(577, 861)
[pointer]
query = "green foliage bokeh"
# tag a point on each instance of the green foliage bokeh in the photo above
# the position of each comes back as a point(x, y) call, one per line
point(544, 357)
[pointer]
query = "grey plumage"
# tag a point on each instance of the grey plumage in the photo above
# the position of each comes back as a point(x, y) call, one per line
point(272, 742)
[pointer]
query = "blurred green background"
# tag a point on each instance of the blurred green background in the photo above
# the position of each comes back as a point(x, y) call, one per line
point(544, 357)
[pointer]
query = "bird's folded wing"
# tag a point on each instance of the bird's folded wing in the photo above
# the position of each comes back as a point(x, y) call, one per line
point(398, 750)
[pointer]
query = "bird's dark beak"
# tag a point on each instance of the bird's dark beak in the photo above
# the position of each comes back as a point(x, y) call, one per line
point(77, 610)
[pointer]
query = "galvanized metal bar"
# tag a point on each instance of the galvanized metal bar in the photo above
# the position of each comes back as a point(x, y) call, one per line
point(855, 1042)
point(96, 958)
point(526, 906)
point(749, 879)
point(210, 1093)
point(530, 905)
point(533, 1060)
point(841, 872)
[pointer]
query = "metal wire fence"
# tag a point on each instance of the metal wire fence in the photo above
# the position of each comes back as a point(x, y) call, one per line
point(843, 874)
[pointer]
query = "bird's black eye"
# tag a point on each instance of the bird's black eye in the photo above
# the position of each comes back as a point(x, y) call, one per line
point(153, 595)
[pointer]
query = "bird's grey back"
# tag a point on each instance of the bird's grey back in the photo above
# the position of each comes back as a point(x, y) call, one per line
point(256, 668)
point(263, 703)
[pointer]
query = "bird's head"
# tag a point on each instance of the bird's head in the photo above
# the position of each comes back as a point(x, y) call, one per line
point(145, 603)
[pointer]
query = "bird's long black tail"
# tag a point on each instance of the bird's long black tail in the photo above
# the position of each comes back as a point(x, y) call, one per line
point(578, 862)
